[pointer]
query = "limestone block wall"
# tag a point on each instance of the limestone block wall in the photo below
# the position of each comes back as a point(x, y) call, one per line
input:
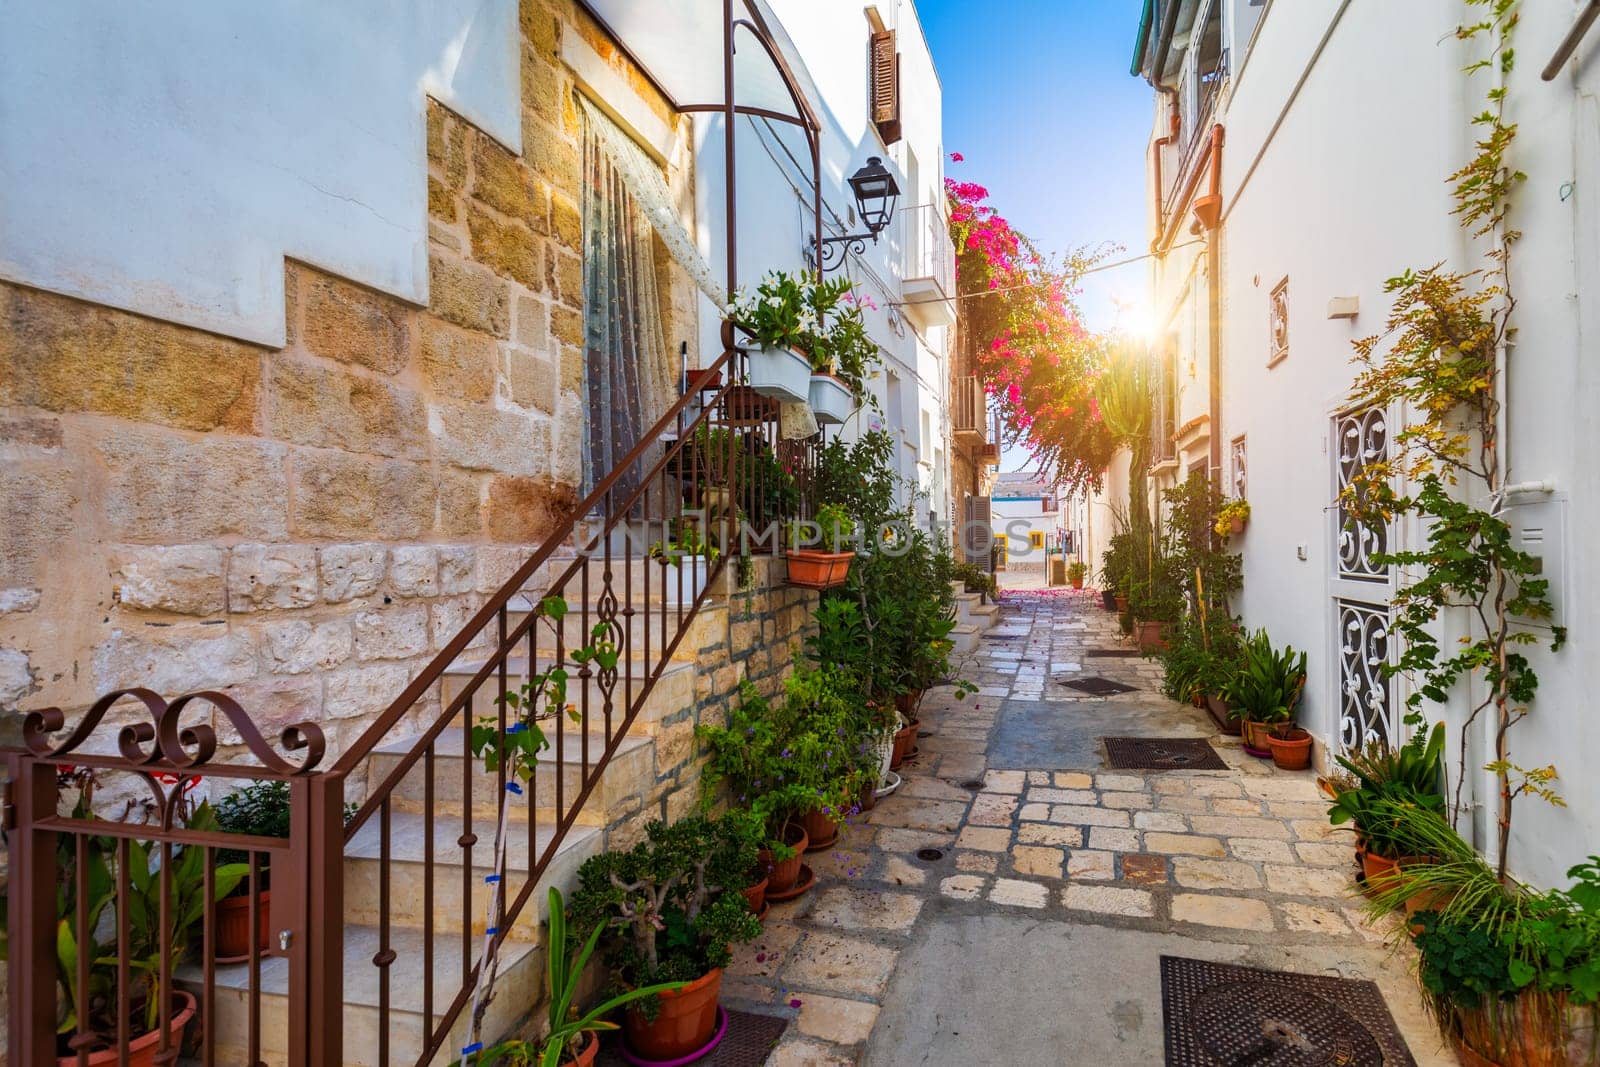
point(303, 527)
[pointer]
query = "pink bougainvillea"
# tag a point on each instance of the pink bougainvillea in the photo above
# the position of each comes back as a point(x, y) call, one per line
point(1036, 360)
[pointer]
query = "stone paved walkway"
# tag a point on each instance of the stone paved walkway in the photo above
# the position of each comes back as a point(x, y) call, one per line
point(1035, 937)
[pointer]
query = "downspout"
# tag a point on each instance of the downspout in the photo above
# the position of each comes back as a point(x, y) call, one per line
point(1160, 143)
point(1211, 219)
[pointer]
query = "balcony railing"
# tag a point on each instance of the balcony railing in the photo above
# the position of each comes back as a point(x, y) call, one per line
point(969, 412)
point(928, 280)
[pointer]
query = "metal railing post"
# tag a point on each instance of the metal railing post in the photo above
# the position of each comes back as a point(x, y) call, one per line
point(31, 912)
point(316, 1011)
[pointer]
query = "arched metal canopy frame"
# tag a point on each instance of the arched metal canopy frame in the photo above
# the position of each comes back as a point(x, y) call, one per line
point(743, 15)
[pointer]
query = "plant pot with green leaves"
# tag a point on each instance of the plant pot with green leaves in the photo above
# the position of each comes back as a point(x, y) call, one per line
point(1232, 517)
point(260, 809)
point(669, 910)
point(686, 563)
point(1156, 605)
point(1266, 690)
point(828, 564)
point(780, 318)
point(166, 915)
point(842, 352)
point(571, 1036)
point(1378, 786)
point(1077, 571)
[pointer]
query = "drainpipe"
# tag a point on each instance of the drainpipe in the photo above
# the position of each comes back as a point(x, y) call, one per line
point(1210, 217)
point(1173, 125)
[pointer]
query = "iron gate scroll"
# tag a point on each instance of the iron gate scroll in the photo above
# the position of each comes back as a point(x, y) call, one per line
point(1361, 582)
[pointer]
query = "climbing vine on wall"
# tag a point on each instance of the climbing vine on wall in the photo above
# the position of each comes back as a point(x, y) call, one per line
point(1033, 354)
point(1441, 359)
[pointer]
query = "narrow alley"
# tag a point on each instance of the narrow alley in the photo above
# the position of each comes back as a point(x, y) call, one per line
point(1013, 901)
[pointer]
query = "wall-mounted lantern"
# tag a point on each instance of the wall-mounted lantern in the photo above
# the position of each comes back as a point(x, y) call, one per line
point(876, 194)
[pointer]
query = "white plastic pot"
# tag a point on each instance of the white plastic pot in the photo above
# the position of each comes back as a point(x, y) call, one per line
point(831, 400)
point(781, 373)
point(694, 572)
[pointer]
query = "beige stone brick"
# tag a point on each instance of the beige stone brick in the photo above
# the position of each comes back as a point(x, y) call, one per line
point(297, 646)
point(1037, 861)
point(533, 325)
point(482, 438)
point(457, 568)
point(1046, 834)
point(898, 870)
point(551, 156)
point(976, 862)
point(441, 203)
point(1016, 893)
point(564, 277)
point(507, 248)
point(1035, 813)
point(798, 1052)
point(963, 886)
point(1233, 913)
point(1232, 806)
point(1073, 780)
point(1119, 783)
point(1160, 820)
point(1193, 873)
point(992, 809)
point(1308, 881)
point(341, 496)
point(174, 659)
point(393, 632)
point(364, 691)
point(183, 579)
point(1126, 801)
point(1091, 865)
point(850, 908)
point(567, 326)
point(262, 577)
point(1114, 838)
point(1307, 919)
point(984, 839)
point(839, 964)
point(448, 615)
point(318, 405)
point(1061, 796)
point(1073, 814)
point(501, 181)
point(468, 295)
point(1323, 855)
point(351, 571)
point(1231, 826)
point(531, 380)
point(346, 322)
point(272, 704)
point(457, 364)
point(526, 510)
point(843, 1022)
point(1109, 900)
point(48, 495)
point(162, 488)
point(566, 224)
point(1184, 845)
point(16, 678)
point(62, 354)
point(1260, 850)
point(447, 148)
point(414, 570)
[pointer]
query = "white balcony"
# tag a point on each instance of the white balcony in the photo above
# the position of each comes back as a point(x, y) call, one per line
point(928, 282)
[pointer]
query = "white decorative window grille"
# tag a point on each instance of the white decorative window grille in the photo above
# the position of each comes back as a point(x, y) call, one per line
point(1363, 439)
point(1278, 323)
point(1240, 467)
point(1366, 714)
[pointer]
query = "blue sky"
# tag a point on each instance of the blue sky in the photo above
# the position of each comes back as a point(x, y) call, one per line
point(1038, 99)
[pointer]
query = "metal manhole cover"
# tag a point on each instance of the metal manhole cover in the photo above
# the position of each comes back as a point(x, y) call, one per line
point(1097, 686)
point(1217, 1013)
point(1110, 653)
point(1162, 754)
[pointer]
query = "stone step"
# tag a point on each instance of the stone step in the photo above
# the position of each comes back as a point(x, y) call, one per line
point(520, 985)
point(983, 616)
point(674, 691)
point(648, 628)
point(965, 637)
point(408, 877)
point(630, 774)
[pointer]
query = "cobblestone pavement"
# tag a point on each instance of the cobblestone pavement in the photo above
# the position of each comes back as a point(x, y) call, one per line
point(1237, 864)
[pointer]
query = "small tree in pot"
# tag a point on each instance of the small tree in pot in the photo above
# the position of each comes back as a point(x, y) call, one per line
point(1266, 692)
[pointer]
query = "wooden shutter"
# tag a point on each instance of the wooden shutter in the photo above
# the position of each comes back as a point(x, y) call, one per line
point(885, 71)
point(977, 536)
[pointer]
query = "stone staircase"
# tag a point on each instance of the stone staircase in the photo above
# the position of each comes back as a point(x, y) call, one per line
point(973, 617)
point(461, 788)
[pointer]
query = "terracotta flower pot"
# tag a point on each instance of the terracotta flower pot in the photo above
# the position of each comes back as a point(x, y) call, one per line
point(1255, 738)
point(700, 380)
point(782, 875)
point(1377, 869)
point(822, 829)
point(1077, 583)
point(586, 1053)
point(907, 703)
point(905, 739)
point(1151, 636)
point(819, 570)
point(1218, 707)
point(756, 895)
point(1122, 604)
point(1236, 525)
point(869, 796)
point(142, 1049)
point(233, 925)
point(1290, 753)
point(684, 1024)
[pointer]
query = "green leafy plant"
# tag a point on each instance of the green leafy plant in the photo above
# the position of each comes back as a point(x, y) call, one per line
point(670, 908)
point(781, 313)
point(974, 579)
point(838, 528)
point(1269, 684)
point(688, 544)
point(1385, 785)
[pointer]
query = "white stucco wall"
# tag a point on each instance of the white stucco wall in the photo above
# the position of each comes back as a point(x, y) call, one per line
point(165, 157)
point(1348, 191)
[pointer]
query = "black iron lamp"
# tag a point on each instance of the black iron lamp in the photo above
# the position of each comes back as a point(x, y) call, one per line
point(876, 193)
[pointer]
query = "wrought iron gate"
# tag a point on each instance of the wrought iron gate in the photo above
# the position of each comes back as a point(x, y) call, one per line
point(1360, 585)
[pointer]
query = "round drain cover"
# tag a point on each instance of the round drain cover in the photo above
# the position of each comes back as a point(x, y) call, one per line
point(974, 784)
point(1266, 1023)
point(930, 855)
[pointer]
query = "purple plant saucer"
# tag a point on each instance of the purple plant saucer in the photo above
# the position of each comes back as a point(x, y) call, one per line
point(1258, 753)
point(705, 1050)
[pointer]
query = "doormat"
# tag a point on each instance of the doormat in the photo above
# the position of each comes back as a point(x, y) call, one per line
point(1111, 653)
point(1218, 1013)
point(749, 1041)
point(1162, 754)
point(1097, 686)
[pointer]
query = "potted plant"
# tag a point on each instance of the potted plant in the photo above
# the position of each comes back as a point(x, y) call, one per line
point(260, 809)
point(161, 911)
point(1232, 517)
point(841, 351)
point(571, 1037)
point(669, 909)
point(1077, 570)
point(686, 563)
point(780, 316)
point(1378, 784)
point(828, 566)
point(1156, 606)
point(1266, 690)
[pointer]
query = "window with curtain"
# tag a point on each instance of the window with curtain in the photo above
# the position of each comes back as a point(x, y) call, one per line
point(630, 377)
